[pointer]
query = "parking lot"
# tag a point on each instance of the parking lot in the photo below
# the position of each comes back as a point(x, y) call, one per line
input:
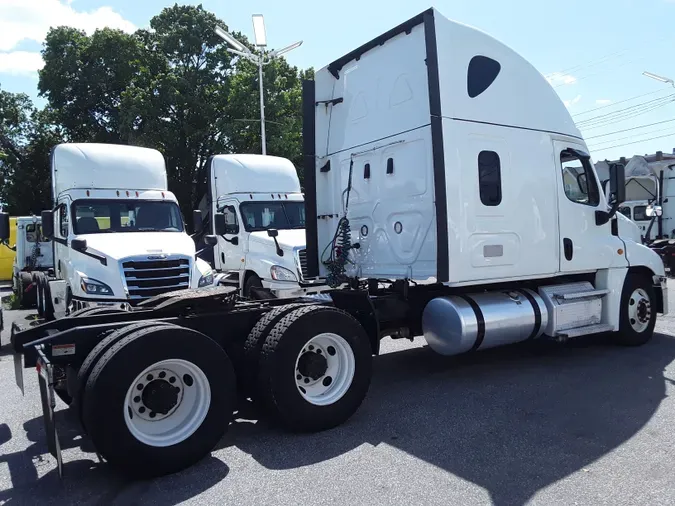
point(582, 423)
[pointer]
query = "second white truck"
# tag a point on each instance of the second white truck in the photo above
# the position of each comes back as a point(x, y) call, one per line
point(261, 237)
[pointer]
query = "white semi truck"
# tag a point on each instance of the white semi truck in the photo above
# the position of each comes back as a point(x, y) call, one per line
point(117, 232)
point(435, 202)
point(258, 202)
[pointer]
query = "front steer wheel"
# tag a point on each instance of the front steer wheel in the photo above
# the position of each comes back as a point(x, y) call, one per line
point(314, 368)
point(158, 400)
point(638, 310)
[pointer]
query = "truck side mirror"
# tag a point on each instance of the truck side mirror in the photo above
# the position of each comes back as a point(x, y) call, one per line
point(272, 232)
point(197, 220)
point(617, 183)
point(653, 210)
point(219, 222)
point(47, 224)
point(4, 227)
point(79, 244)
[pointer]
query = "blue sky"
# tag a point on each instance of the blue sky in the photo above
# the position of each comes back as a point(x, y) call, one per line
point(593, 51)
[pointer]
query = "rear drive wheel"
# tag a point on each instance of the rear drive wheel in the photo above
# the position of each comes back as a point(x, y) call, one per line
point(315, 368)
point(150, 413)
point(48, 309)
point(38, 279)
point(28, 292)
point(638, 313)
point(254, 343)
point(77, 387)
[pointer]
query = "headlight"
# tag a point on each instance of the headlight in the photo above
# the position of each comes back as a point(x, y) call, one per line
point(206, 280)
point(280, 273)
point(95, 287)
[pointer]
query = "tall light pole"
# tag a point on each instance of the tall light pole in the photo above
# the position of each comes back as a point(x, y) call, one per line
point(659, 78)
point(259, 58)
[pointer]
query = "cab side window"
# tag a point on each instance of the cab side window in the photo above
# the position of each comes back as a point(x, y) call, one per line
point(63, 221)
point(231, 222)
point(579, 179)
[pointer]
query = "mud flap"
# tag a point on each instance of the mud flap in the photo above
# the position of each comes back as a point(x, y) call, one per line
point(46, 381)
point(18, 371)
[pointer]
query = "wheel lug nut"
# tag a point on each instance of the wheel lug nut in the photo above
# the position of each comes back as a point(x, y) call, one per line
point(139, 386)
point(149, 377)
point(311, 347)
point(141, 409)
point(162, 374)
point(299, 376)
point(152, 414)
point(306, 380)
point(137, 399)
point(318, 350)
point(172, 379)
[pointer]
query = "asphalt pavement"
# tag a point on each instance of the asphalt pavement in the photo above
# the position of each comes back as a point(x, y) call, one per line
point(585, 423)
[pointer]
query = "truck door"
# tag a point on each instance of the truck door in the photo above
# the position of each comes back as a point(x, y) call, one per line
point(231, 244)
point(584, 246)
point(61, 232)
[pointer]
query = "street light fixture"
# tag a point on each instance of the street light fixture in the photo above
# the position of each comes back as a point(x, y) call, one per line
point(259, 58)
point(659, 78)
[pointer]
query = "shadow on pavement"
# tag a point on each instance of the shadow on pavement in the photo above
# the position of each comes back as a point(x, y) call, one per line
point(89, 481)
point(511, 420)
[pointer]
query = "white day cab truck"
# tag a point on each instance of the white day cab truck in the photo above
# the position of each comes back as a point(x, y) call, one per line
point(33, 257)
point(435, 204)
point(259, 225)
point(117, 233)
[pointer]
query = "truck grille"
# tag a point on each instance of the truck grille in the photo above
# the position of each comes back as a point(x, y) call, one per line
point(147, 278)
point(302, 261)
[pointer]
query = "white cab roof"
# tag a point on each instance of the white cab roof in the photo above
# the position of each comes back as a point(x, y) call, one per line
point(253, 174)
point(107, 166)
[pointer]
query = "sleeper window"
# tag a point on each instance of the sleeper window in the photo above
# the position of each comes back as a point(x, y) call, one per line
point(489, 178)
point(579, 179)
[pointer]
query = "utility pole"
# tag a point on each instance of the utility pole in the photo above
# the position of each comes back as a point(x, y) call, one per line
point(259, 58)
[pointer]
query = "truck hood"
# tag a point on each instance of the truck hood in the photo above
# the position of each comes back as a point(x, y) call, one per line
point(124, 244)
point(288, 239)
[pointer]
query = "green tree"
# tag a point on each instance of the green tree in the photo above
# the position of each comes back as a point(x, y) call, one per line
point(26, 138)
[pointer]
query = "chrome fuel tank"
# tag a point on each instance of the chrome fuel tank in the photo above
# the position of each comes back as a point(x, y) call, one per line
point(460, 323)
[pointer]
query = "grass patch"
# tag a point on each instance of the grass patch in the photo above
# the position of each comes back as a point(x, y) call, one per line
point(11, 302)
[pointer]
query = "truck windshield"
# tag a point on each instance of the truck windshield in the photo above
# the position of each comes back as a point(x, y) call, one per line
point(99, 216)
point(265, 215)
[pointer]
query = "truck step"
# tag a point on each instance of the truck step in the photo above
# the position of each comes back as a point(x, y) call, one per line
point(581, 295)
point(584, 331)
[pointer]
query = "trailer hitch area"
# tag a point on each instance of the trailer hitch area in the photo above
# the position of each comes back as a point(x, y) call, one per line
point(45, 372)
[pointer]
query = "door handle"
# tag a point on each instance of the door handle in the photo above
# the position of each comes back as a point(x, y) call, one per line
point(568, 248)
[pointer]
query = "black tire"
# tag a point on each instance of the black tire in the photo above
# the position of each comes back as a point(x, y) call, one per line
point(106, 389)
point(109, 338)
point(248, 373)
point(252, 281)
point(94, 310)
point(38, 279)
point(48, 302)
point(276, 378)
point(28, 292)
point(628, 335)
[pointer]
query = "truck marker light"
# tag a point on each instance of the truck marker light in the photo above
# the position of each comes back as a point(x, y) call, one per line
point(118, 193)
point(619, 251)
point(137, 194)
point(127, 193)
point(63, 349)
point(87, 193)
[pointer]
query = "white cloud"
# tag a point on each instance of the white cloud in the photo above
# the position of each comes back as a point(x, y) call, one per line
point(30, 20)
point(560, 78)
point(571, 102)
point(20, 63)
point(603, 101)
